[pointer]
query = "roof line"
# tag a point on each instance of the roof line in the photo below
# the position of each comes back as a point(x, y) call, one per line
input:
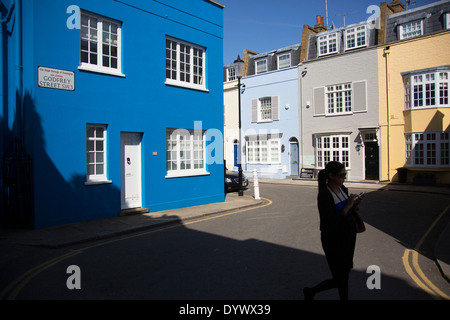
point(216, 3)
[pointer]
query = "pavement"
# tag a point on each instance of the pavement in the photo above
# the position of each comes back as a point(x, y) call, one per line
point(77, 233)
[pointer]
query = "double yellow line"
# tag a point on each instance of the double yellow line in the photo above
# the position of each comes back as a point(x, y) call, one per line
point(15, 287)
point(416, 273)
point(419, 277)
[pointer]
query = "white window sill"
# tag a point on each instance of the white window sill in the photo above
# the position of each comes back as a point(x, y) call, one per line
point(427, 107)
point(111, 72)
point(171, 175)
point(186, 85)
point(327, 54)
point(265, 163)
point(94, 183)
point(357, 47)
point(340, 114)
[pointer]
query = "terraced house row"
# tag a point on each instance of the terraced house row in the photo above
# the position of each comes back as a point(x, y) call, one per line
point(373, 95)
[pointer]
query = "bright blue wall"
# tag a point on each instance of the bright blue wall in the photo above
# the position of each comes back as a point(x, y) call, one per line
point(55, 120)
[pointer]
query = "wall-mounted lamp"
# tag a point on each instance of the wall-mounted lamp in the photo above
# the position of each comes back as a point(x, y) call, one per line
point(358, 147)
point(304, 72)
point(283, 148)
point(242, 88)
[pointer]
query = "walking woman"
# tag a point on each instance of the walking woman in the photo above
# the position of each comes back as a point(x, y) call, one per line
point(338, 231)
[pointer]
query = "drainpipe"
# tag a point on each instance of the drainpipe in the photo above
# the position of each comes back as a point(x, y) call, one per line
point(386, 54)
point(19, 66)
point(302, 143)
point(3, 76)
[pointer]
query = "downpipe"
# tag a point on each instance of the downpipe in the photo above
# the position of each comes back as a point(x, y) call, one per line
point(3, 80)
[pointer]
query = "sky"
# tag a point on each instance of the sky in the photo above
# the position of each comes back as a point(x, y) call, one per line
point(265, 25)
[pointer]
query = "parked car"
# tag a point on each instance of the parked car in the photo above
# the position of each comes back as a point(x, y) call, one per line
point(232, 181)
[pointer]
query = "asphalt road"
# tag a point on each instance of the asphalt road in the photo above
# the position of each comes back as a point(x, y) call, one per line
point(268, 253)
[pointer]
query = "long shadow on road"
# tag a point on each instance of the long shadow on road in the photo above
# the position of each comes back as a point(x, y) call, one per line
point(407, 217)
point(179, 263)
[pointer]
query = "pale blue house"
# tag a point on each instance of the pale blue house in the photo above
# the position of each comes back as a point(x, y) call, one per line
point(270, 114)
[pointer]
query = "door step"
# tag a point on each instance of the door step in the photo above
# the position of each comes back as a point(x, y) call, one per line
point(133, 212)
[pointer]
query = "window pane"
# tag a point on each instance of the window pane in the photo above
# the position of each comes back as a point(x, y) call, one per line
point(84, 45)
point(418, 96)
point(99, 169)
point(90, 145)
point(114, 52)
point(91, 157)
point(443, 93)
point(430, 94)
point(93, 58)
point(84, 57)
point(84, 33)
point(106, 50)
point(261, 66)
point(99, 157)
point(351, 41)
point(114, 63)
point(266, 109)
point(84, 20)
point(284, 61)
point(106, 61)
point(91, 169)
point(93, 22)
point(90, 132)
point(99, 146)
point(93, 47)
point(114, 28)
point(106, 26)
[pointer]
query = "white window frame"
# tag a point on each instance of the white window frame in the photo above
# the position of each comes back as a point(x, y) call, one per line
point(94, 142)
point(404, 33)
point(231, 74)
point(339, 99)
point(427, 149)
point(332, 148)
point(263, 108)
point(358, 32)
point(327, 41)
point(429, 89)
point(176, 74)
point(175, 154)
point(284, 55)
point(258, 62)
point(98, 37)
point(264, 151)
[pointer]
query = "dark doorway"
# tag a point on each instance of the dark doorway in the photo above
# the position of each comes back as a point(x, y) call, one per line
point(372, 160)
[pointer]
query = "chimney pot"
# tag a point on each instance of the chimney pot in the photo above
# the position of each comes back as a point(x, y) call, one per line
point(319, 19)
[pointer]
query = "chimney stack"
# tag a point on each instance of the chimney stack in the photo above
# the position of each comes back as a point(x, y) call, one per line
point(397, 6)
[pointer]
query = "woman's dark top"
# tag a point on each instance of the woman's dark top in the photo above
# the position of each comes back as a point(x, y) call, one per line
point(338, 231)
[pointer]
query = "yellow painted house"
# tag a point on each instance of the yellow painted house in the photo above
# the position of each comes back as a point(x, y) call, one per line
point(414, 108)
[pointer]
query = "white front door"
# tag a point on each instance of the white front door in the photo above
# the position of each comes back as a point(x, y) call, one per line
point(131, 190)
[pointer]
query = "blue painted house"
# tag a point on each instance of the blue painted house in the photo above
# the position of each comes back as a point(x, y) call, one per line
point(270, 114)
point(109, 107)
